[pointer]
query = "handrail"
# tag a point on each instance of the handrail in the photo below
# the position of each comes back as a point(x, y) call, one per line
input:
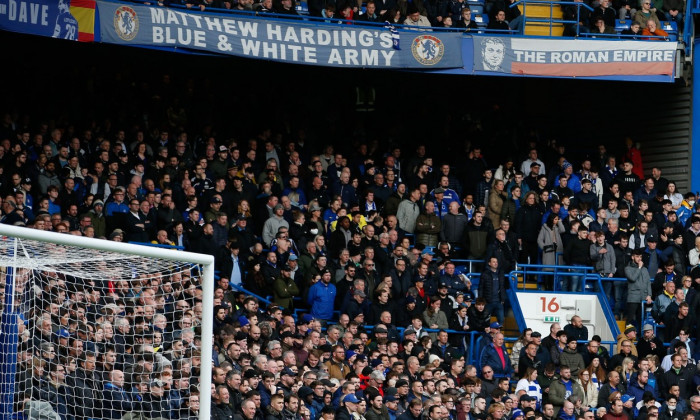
point(166, 246)
point(688, 30)
point(631, 37)
point(248, 292)
point(470, 262)
point(299, 17)
point(553, 2)
point(551, 19)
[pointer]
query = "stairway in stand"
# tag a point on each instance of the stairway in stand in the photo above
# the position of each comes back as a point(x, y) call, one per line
point(543, 11)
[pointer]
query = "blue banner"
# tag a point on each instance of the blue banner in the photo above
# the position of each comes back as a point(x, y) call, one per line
point(291, 41)
point(49, 18)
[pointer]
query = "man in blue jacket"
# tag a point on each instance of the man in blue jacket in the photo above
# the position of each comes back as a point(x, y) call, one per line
point(496, 356)
point(640, 386)
point(322, 296)
point(117, 401)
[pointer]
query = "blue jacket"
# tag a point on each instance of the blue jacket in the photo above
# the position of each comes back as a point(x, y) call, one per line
point(489, 356)
point(638, 393)
point(321, 299)
point(455, 284)
point(346, 192)
point(117, 402)
point(574, 183)
point(684, 213)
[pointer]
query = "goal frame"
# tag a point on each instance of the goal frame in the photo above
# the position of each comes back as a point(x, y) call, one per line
point(8, 322)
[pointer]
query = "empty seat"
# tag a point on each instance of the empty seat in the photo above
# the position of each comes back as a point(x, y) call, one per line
point(670, 26)
point(622, 24)
point(481, 20)
point(477, 9)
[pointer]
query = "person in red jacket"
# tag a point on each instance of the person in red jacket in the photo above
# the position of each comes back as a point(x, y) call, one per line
point(632, 154)
point(651, 30)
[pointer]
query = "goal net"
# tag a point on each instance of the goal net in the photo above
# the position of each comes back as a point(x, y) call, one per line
point(94, 329)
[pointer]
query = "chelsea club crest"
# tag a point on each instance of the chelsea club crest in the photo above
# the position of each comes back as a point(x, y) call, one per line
point(427, 49)
point(126, 23)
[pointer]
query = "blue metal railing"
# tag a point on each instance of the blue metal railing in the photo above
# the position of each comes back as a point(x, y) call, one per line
point(481, 30)
point(626, 37)
point(551, 18)
point(689, 27)
point(175, 247)
point(551, 270)
point(322, 20)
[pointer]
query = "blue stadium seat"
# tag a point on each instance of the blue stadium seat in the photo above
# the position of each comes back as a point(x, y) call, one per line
point(481, 20)
point(672, 28)
point(477, 9)
point(303, 7)
point(622, 24)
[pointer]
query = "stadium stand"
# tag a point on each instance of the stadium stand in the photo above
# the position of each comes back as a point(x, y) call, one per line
point(545, 15)
point(349, 248)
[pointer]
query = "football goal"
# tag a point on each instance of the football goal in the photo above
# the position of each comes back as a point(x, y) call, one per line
point(96, 329)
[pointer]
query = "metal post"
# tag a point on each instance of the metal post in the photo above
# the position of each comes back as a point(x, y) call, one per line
point(207, 342)
point(695, 127)
point(8, 345)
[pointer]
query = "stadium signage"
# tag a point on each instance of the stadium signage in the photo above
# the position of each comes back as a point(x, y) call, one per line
point(278, 40)
point(572, 58)
point(39, 17)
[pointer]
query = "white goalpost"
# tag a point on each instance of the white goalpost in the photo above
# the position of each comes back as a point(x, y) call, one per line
point(96, 329)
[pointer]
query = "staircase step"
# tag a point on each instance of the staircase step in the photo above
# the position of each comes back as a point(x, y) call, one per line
point(528, 286)
point(543, 29)
point(543, 11)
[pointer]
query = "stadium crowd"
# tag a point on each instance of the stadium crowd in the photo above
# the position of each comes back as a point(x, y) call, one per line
point(364, 245)
point(643, 18)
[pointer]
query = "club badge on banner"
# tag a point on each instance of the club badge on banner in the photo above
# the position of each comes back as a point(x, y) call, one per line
point(280, 40)
point(573, 57)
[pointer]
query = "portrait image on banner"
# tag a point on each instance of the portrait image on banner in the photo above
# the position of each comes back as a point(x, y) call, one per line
point(50, 18)
point(490, 54)
point(66, 25)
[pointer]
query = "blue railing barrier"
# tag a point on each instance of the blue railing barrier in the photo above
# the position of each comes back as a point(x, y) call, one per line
point(175, 247)
point(551, 19)
point(316, 19)
point(246, 291)
point(551, 270)
point(626, 37)
point(482, 30)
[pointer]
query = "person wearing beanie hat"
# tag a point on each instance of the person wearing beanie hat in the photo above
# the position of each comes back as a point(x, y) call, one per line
point(243, 321)
point(650, 344)
point(630, 334)
point(97, 218)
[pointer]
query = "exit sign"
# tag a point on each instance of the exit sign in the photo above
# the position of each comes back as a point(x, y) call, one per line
point(551, 319)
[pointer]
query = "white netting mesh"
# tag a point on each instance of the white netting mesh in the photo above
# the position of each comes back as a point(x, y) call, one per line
point(102, 334)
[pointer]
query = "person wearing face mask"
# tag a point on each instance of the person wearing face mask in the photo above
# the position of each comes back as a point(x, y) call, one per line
point(669, 411)
point(686, 209)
